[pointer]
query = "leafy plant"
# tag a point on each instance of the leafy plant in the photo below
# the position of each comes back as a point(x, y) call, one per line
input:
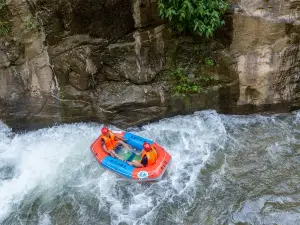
point(5, 23)
point(31, 23)
point(202, 17)
point(207, 80)
point(209, 62)
point(185, 83)
point(4, 27)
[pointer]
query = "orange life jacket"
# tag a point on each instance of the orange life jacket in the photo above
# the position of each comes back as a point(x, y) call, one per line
point(151, 156)
point(110, 142)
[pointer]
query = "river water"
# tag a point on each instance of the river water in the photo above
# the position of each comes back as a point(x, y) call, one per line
point(225, 170)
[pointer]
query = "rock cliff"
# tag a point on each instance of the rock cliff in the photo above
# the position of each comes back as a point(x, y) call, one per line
point(112, 61)
point(266, 51)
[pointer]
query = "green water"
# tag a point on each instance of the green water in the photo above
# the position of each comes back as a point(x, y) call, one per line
point(127, 155)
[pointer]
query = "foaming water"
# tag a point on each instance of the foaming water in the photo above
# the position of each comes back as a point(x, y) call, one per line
point(55, 177)
point(224, 170)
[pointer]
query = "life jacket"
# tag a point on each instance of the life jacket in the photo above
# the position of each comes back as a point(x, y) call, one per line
point(110, 142)
point(151, 156)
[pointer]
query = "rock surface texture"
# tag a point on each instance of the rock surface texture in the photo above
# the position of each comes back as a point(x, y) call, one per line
point(265, 46)
point(112, 61)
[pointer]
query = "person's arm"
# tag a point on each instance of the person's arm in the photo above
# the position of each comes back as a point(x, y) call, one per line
point(135, 164)
point(124, 144)
point(116, 155)
point(143, 162)
point(138, 153)
point(119, 137)
point(105, 149)
point(112, 153)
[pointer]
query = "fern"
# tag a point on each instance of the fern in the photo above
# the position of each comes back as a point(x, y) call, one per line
point(202, 17)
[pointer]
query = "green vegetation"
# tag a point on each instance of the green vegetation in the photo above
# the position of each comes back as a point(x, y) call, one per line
point(209, 62)
point(4, 27)
point(31, 23)
point(5, 24)
point(185, 83)
point(201, 17)
point(207, 80)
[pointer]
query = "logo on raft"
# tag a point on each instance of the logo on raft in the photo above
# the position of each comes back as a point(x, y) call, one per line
point(142, 174)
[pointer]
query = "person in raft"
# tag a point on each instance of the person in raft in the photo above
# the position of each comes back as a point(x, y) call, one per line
point(110, 141)
point(149, 156)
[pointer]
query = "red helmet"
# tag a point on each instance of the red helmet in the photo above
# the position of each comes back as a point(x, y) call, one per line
point(147, 147)
point(104, 130)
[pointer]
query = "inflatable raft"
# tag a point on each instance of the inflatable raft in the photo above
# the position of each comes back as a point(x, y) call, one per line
point(153, 172)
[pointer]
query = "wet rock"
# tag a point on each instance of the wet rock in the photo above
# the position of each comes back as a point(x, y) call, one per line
point(113, 61)
point(101, 19)
point(141, 59)
point(145, 13)
point(78, 81)
point(113, 74)
point(128, 104)
point(266, 60)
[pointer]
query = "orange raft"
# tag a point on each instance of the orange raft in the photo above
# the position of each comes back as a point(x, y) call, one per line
point(153, 172)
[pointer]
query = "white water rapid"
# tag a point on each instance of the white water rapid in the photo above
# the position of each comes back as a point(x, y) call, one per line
point(224, 170)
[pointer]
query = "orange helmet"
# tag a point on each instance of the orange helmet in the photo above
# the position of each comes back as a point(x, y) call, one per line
point(147, 147)
point(104, 130)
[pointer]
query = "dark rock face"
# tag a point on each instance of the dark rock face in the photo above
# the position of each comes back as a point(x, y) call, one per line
point(108, 19)
point(128, 104)
point(112, 61)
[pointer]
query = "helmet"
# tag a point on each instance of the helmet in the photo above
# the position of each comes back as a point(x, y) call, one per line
point(104, 130)
point(147, 146)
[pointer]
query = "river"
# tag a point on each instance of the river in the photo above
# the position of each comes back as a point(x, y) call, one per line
point(225, 170)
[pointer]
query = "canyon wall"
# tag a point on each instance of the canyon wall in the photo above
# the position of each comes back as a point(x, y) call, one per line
point(112, 61)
